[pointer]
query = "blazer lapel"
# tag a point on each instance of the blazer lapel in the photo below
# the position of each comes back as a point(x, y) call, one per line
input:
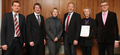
point(107, 18)
point(58, 22)
point(71, 17)
point(34, 17)
point(19, 20)
point(101, 19)
point(89, 21)
point(83, 22)
point(52, 21)
point(11, 18)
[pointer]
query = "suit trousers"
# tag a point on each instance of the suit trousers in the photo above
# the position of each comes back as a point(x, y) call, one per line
point(109, 47)
point(54, 47)
point(36, 49)
point(69, 48)
point(15, 48)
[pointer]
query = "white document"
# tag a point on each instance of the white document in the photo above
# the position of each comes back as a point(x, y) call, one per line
point(85, 30)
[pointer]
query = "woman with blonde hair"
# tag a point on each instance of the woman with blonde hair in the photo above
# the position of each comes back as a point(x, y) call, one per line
point(86, 42)
point(54, 32)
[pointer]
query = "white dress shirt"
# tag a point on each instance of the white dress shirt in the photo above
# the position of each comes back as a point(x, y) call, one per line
point(17, 16)
point(37, 16)
point(69, 19)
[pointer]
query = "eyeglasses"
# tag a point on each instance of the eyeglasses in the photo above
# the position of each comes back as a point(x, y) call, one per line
point(104, 5)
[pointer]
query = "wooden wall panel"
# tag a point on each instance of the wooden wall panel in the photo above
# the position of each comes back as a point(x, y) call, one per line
point(47, 5)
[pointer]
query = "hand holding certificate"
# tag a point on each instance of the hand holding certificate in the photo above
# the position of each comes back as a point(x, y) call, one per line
point(85, 30)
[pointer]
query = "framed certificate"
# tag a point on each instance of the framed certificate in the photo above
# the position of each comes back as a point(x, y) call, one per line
point(85, 30)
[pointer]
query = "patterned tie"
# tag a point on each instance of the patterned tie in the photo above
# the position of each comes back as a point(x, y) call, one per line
point(104, 18)
point(67, 23)
point(16, 26)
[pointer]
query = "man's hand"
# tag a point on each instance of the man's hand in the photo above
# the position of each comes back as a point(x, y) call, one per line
point(4, 47)
point(44, 41)
point(56, 39)
point(23, 44)
point(75, 42)
point(116, 44)
point(31, 43)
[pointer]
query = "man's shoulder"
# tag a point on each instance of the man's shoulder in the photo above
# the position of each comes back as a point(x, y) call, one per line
point(6, 14)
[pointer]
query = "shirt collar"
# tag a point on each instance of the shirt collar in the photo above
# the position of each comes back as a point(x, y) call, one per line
point(36, 14)
point(14, 13)
point(104, 12)
point(71, 13)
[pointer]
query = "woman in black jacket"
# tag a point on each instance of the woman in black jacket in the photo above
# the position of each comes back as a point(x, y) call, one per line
point(86, 42)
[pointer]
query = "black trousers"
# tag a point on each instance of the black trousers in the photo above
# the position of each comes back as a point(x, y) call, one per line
point(109, 47)
point(15, 48)
point(69, 48)
point(86, 50)
point(37, 49)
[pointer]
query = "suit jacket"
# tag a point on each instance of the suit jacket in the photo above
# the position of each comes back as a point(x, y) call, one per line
point(83, 41)
point(35, 32)
point(109, 32)
point(51, 29)
point(8, 29)
point(74, 27)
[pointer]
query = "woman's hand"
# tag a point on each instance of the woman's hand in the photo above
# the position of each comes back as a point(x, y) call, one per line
point(56, 39)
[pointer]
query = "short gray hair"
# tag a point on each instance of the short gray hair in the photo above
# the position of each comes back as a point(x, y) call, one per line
point(85, 9)
point(70, 3)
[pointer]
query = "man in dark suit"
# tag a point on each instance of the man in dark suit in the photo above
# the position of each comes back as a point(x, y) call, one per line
point(13, 31)
point(35, 31)
point(107, 36)
point(71, 28)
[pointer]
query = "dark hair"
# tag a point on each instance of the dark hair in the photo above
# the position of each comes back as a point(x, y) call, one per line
point(37, 4)
point(70, 3)
point(15, 2)
point(103, 2)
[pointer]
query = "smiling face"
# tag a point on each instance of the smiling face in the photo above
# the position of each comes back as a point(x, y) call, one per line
point(55, 13)
point(37, 9)
point(70, 7)
point(87, 12)
point(104, 6)
point(16, 7)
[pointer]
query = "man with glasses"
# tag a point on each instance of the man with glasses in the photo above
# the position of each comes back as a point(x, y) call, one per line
point(107, 37)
